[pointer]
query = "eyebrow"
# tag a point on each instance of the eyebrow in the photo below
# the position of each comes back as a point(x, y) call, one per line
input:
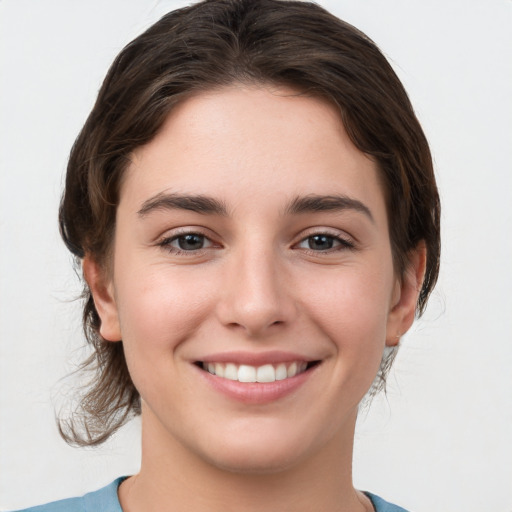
point(207, 205)
point(319, 203)
point(196, 203)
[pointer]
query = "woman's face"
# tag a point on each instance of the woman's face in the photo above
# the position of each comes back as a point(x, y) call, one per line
point(252, 243)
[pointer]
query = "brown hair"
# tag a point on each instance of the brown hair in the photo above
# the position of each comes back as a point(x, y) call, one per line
point(209, 45)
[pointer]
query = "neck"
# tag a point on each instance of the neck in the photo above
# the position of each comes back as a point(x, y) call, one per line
point(172, 478)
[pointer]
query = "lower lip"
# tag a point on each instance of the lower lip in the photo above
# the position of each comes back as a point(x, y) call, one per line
point(256, 392)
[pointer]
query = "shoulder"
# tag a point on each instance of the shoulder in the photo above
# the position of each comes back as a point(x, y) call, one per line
point(104, 499)
point(381, 505)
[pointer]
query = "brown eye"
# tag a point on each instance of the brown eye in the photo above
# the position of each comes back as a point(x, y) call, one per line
point(323, 242)
point(320, 242)
point(190, 242)
point(186, 242)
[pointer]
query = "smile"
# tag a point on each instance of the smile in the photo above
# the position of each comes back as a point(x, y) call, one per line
point(263, 374)
point(256, 379)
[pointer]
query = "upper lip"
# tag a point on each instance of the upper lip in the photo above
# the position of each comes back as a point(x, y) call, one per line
point(255, 358)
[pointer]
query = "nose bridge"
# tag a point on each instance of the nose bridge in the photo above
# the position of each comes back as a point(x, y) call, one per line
point(256, 296)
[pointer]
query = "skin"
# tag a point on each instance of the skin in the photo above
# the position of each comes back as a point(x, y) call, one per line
point(255, 282)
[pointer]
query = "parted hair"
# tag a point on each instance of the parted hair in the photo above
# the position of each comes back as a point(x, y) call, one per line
point(210, 45)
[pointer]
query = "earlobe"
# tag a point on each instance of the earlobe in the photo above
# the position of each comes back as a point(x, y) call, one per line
point(103, 295)
point(405, 296)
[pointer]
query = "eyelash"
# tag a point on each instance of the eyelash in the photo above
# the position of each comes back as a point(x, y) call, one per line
point(343, 243)
point(166, 242)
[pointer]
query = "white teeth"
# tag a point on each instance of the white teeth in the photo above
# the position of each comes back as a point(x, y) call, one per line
point(219, 369)
point(292, 370)
point(231, 372)
point(266, 373)
point(281, 372)
point(247, 373)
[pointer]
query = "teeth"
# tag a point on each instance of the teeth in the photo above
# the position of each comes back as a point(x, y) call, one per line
point(281, 372)
point(265, 373)
point(231, 372)
point(247, 373)
point(219, 369)
point(292, 370)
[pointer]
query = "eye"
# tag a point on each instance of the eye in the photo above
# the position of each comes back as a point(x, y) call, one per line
point(324, 242)
point(186, 242)
point(190, 242)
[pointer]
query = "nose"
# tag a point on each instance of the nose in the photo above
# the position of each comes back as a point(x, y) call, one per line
point(258, 296)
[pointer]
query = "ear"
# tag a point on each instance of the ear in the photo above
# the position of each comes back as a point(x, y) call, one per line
point(405, 296)
point(102, 290)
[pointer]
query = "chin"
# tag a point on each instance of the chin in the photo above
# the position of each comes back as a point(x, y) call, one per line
point(260, 454)
point(254, 462)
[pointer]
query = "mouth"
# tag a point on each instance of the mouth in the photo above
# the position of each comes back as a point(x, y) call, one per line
point(266, 373)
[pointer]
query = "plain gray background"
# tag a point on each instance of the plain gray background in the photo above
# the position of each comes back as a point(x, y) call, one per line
point(442, 439)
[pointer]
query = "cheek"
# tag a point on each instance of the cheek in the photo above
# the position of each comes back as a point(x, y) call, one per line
point(160, 307)
point(352, 308)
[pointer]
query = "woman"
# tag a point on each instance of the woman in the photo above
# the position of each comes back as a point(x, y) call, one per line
point(253, 204)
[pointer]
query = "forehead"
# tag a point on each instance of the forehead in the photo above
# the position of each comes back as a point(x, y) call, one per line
point(252, 143)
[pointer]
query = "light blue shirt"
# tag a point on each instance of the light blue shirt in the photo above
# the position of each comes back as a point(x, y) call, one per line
point(106, 500)
point(103, 500)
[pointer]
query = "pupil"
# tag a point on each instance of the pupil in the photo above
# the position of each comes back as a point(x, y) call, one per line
point(320, 242)
point(190, 242)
